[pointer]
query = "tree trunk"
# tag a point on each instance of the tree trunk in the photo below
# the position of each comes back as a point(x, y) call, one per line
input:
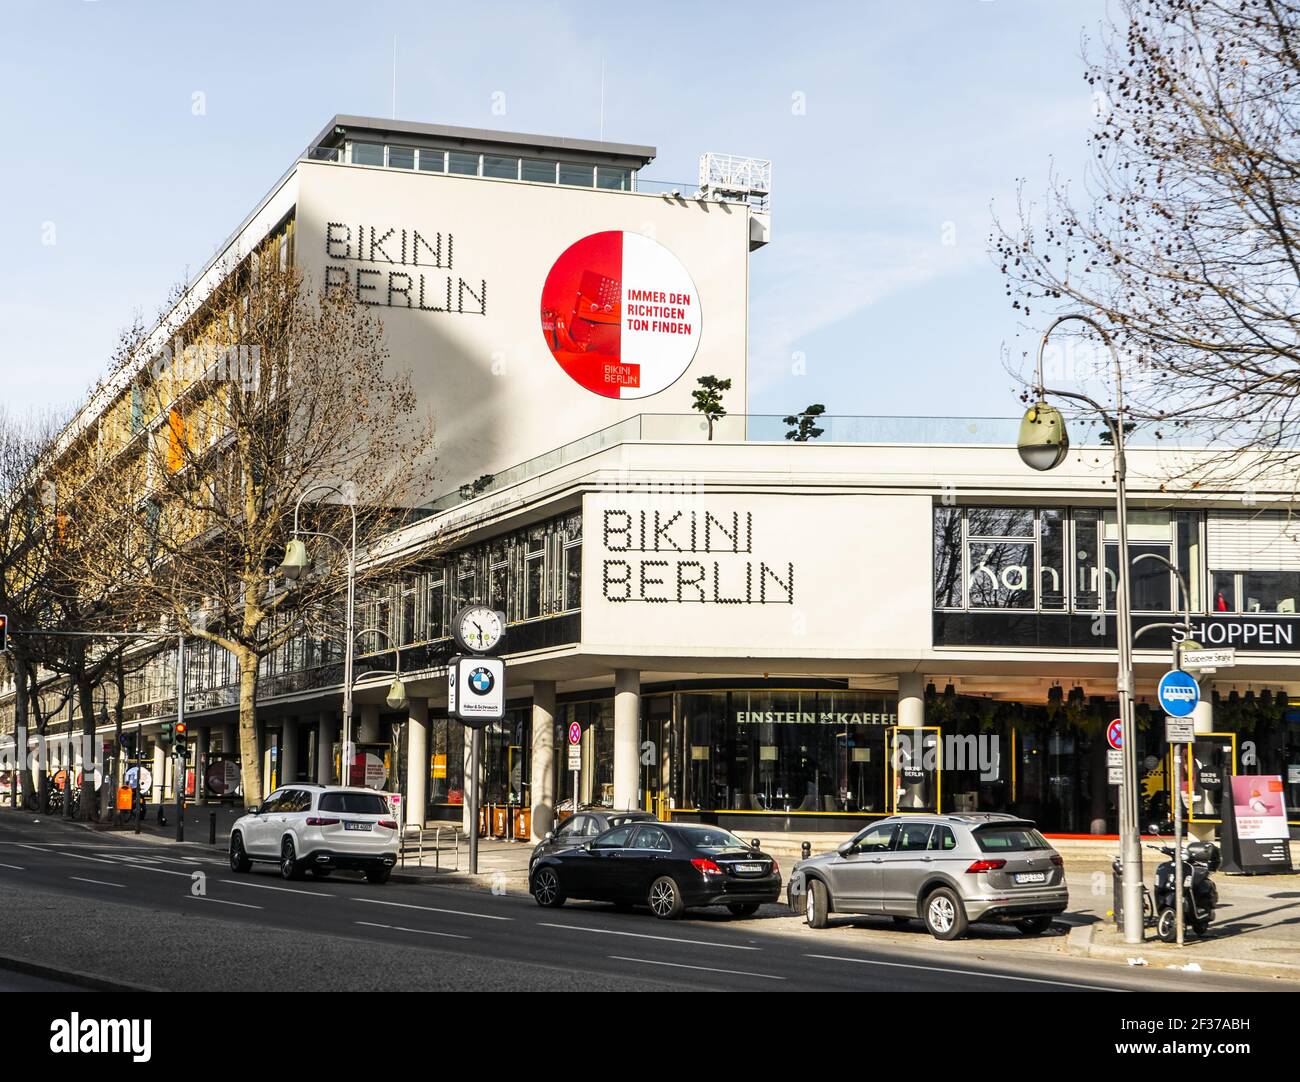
point(22, 783)
point(86, 701)
point(250, 766)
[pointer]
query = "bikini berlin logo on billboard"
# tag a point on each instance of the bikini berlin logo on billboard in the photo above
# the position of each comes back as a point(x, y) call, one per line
point(621, 314)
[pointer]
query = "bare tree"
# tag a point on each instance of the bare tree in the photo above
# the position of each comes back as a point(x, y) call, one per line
point(275, 393)
point(1186, 242)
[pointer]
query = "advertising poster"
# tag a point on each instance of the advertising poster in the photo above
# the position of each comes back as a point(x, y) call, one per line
point(621, 314)
point(1256, 839)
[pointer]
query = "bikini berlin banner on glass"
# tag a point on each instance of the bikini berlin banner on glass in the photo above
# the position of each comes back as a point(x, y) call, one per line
point(1256, 839)
point(621, 314)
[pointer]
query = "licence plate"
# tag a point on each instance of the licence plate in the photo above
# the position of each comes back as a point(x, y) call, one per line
point(1031, 877)
point(355, 826)
point(749, 867)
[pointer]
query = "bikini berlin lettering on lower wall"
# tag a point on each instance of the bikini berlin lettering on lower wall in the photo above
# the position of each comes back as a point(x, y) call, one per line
point(689, 556)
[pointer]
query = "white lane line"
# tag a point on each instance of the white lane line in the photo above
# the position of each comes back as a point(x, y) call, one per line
point(221, 901)
point(150, 868)
point(97, 860)
point(15, 867)
point(418, 931)
point(24, 845)
point(433, 909)
point(101, 882)
point(961, 972)
point(269, 886)
point(702, 969)
point(643, 935)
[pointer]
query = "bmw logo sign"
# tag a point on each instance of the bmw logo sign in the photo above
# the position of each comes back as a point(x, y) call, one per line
point(481, 681)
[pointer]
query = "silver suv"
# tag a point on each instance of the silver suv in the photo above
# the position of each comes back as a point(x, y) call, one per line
point(949, 870)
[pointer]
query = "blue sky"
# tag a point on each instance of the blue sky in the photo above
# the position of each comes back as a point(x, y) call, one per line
point(917, 120)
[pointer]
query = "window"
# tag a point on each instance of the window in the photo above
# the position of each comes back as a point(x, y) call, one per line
point(1009, 839)
point(462, 162)
point(538, 171)
point(432, 161)
point(573, 173)
point(401, 157)
point(367, 153)
point(613, 178)
point(947, 558)
point(1001, 574)
point(572, 588)
point(354, 803)
point(914, 837)
point(942, 839)
point(1256, 591)
point(501, 167)
point(614, 839)
point(652, 838)
point(534, 568)
point(875, 839)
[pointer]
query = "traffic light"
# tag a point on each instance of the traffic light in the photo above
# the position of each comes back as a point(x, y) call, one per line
point(4, 633)
point(180, 738)
point(167, 734)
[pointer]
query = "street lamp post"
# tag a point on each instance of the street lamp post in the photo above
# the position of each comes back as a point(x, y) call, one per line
point(1043, 444)
point(294, 564)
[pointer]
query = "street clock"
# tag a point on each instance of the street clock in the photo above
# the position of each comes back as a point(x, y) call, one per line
point(477, 629)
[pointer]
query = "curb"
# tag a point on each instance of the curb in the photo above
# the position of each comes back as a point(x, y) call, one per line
point(72, 976)
point(1079, 944)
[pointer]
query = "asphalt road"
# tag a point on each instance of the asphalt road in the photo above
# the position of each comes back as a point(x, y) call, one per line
point(156, 915)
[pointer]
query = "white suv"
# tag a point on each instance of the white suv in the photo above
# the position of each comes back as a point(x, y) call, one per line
point(321, 827)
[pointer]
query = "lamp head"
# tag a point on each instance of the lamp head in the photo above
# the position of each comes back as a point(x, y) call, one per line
point(295, 560)
point(397, 699)
point(1043, 442)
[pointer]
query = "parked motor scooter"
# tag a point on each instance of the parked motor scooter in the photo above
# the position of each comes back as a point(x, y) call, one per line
point(1200, 895)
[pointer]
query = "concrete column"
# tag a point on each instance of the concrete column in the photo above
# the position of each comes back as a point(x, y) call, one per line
point(288, 751)
point(911, 700)
point(1202, 722)
point(542, 783)
point(368, 725)
point(417, 761)
point(230, 739)
point(627, 737)
point(159, 774)
point(327, 731)
point(202, 745)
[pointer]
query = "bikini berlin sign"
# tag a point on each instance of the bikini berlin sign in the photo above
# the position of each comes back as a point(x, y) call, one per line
point(1178, 693)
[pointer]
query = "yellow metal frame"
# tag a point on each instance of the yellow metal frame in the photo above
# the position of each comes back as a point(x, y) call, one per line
point(1187, 769)
point(891, 787)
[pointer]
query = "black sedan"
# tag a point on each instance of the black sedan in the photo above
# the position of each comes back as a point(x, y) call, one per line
point(671, 867)
point(579, 829)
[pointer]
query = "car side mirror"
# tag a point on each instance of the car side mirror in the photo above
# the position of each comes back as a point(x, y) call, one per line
point(844, 848)
point(549, 836)
point(586, 845)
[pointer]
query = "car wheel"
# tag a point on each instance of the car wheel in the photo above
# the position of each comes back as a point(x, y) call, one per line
point(945, 916)
point(1034, 925)
point(378, 875)
point(239, 861)
point(546, 889)
point(1167, 926)
point(742, 909)
point(816, 904)
point(289, 861)
point(666, 898)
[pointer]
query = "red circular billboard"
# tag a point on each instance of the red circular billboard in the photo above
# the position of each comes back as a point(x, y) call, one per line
point(621, 314)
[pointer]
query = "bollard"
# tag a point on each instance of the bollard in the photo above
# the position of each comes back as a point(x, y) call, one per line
point(805, 850)
point(212, 828)
point(753, 843)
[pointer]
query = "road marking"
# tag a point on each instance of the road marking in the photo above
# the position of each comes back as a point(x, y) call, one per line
point(150, 868)
point(269, 886)
point(97, 860)
point(418, 931)
point(101, 882)
point(15, 867)
point(643, 935)
point(221, 901)
point(433, 909)
point(702, 969)
point(962, 972)
point(24, 845)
